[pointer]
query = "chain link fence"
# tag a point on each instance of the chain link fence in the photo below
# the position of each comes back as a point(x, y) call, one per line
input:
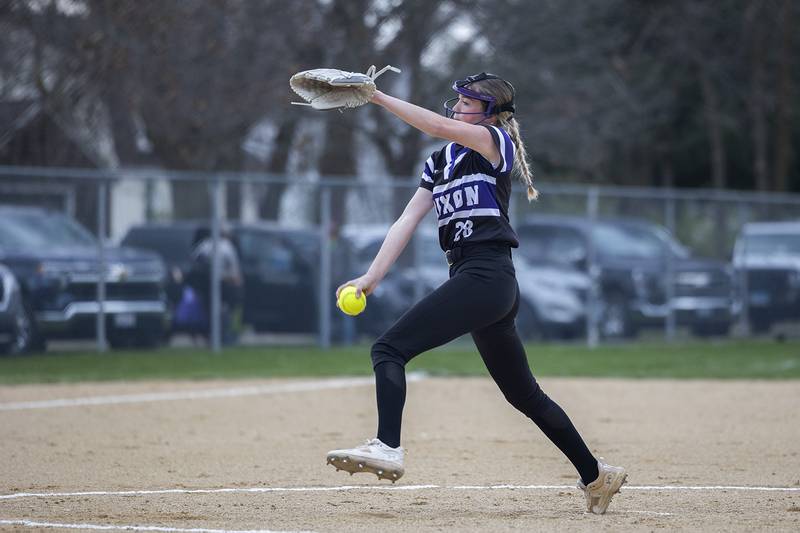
point(298, 238)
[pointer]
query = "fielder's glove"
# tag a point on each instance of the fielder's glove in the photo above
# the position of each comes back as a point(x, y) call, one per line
point(329, 88)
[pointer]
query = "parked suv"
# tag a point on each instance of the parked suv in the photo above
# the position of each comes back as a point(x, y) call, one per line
point(279, 265)
point(631, 265)
point(768, 254)
point(54, 259)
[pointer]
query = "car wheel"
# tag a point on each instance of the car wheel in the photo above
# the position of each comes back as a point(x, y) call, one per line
point(150, 339)
point(261, 327)
point(713, 329)
point(760, 325)
point(529, 327)
point(28, 338)
point(26, 335)
point(138, 339)
point(615, 318)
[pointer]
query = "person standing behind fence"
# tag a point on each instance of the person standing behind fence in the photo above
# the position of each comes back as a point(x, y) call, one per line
point(231, 279)
point(468, 184)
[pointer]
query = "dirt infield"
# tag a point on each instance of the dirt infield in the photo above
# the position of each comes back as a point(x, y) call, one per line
point(256, 460)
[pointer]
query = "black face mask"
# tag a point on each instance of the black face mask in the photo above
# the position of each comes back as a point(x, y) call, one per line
point(461, 87)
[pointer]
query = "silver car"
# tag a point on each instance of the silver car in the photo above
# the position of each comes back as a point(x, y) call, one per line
point(551, 304)
point(767, 258)
point(15, 323)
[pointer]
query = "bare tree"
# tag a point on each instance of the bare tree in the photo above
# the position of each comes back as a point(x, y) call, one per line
point(419, 25)
point(685, 92)
point(365, 32)
point(195, 75)
point(785, 93)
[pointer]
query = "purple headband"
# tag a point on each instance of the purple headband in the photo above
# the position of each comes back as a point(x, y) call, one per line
point(461, 87)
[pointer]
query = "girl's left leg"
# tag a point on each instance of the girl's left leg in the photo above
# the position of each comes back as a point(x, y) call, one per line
point(475, 296)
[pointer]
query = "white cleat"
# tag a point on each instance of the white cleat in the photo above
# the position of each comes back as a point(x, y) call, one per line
point(373, 456)
point(600, 491)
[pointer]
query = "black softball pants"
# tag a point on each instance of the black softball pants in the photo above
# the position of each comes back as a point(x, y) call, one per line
point(481, 298)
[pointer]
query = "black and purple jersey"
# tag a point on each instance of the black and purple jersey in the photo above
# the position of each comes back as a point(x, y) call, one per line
point(470, 195)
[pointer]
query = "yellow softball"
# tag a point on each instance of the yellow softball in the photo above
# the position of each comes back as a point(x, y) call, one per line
point(349, 304)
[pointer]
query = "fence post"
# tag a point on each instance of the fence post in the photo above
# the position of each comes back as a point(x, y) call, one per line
point(215, 289)
point(323, 298)
point(149, 197)
point(740, 271)
point(102, 217)
point(669, 324)
point(592, 296)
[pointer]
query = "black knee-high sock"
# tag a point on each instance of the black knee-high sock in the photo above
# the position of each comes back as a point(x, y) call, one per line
point(555, 423)
point(390, 387)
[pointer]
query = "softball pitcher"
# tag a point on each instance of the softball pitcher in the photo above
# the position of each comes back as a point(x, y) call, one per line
point(468, 184)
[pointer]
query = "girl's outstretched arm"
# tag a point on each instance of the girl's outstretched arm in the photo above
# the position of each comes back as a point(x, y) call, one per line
point(396, 240)
point(470, 135)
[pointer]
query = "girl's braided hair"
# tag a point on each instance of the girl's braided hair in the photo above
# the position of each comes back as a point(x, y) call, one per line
point(503, 93)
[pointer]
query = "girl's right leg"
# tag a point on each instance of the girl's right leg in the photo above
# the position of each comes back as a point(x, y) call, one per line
point(468, 300)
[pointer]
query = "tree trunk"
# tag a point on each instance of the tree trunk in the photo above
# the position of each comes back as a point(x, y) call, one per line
point(718, 155)
point(231, 161)
point(271, 202)
point(191, 199)
point(338, 160)
point(783, 105)
point(714, 125)
point(757, 98)
point(405, 167)
point(667, 172)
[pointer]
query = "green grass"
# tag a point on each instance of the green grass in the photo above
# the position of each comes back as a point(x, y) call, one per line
point(763, 359)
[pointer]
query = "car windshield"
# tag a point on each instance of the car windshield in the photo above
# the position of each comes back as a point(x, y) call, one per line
point(552, 244)
point(267, 251)
point(174, 245)
point(308, 245)
point(627, 241)
point(547, 243)
point(775, 244)
point(42, 231)
point(430, 252)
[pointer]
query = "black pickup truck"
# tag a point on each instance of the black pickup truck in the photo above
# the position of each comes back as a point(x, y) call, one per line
point(55, 261)
point(631, 266)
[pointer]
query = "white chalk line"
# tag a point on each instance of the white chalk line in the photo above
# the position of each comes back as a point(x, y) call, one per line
point(106, 527)
point(230, 392)
point(31, 523)
point(400, 488)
